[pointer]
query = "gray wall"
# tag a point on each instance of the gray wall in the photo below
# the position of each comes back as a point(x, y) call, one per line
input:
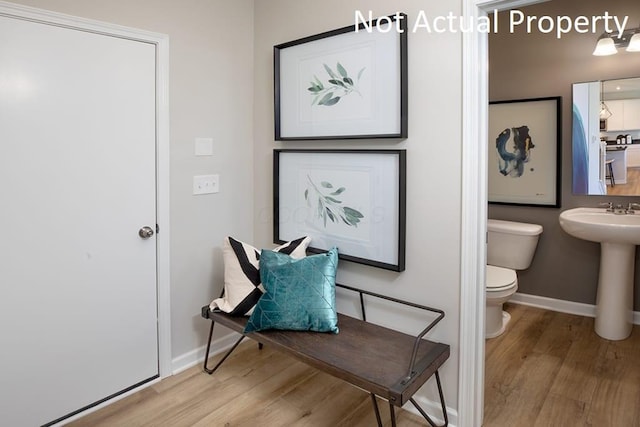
point(538, 65)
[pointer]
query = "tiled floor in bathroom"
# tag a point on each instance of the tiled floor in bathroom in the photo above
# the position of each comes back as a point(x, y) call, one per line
point(551, 369)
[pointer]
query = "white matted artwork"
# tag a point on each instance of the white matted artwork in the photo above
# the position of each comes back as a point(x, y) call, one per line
point(342, 84)
point(350, 199)
point(524, 152)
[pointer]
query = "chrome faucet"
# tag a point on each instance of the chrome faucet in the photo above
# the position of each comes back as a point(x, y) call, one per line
point(609, 206)
point(631, 209)
point(619, 209)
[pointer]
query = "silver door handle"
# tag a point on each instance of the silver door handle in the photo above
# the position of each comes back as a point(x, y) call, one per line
point(145, 232)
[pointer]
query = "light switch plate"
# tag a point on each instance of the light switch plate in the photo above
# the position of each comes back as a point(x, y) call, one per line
point(206, 184)
point(204, 146)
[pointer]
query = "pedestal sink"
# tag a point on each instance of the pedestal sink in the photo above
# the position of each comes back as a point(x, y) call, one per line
point(618, 235)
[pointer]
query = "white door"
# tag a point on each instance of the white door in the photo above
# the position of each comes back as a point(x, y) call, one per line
point(78, 316)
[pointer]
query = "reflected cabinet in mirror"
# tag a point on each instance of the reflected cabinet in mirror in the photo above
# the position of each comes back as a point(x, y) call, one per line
point(606, 137)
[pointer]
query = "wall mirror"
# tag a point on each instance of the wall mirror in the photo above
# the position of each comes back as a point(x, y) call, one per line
point(606, 137)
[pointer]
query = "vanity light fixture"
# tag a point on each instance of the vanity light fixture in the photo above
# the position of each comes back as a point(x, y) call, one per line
point(634, 43)
point(605, 113)
point(608, 43)
point(605, 46)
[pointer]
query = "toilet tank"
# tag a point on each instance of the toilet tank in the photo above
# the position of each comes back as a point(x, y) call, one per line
point(511, 244)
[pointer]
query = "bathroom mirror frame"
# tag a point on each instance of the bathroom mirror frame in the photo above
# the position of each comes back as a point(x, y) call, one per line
point(590, 173)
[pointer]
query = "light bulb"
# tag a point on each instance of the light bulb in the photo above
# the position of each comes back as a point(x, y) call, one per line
point(634, 43)
point(605, 47)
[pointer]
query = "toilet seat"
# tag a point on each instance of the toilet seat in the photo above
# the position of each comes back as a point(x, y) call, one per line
point(500, 278)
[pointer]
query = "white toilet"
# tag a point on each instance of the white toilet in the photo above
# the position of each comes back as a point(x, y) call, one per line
point(510, 247)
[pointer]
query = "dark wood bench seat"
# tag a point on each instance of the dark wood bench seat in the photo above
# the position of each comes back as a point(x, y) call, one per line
point(387, 363)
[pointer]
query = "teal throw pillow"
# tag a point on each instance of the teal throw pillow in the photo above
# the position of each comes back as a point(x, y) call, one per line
point(300, 293)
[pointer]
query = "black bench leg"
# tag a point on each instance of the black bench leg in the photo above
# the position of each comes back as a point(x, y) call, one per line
point(376, 410)
point(206, 356)
point(393, 415)
point(444, 407)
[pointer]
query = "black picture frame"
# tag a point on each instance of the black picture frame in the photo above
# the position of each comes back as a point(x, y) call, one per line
point(337, 198)
point(348, 83)
point(525, 152)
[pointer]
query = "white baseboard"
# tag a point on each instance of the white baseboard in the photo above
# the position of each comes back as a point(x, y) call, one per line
point(569, 307)
point(433, 409)
point(194, 357)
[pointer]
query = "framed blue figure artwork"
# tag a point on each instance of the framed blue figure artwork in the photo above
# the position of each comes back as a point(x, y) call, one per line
point(524, 155)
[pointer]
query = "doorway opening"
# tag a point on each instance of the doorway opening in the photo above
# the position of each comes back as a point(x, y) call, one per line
point(474, 210)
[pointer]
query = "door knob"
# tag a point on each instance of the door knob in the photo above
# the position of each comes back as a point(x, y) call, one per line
point(145, 232)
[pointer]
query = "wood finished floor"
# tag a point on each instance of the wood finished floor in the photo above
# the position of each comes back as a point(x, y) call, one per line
point(551, 369)
point(252, 388)
point(548, 369)
point(631, 188)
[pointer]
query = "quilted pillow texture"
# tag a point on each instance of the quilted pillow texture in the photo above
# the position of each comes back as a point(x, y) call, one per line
point(242, 288)
point(300, 294)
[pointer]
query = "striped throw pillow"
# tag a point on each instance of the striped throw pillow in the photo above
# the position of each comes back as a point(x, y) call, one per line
point(242, 287)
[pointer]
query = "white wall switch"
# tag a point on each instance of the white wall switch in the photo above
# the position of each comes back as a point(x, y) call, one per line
point(206, 184)
point(204, 147)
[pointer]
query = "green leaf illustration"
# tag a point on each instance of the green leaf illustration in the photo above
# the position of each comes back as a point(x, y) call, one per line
point(325, 98)
point(332, 101)
point(330, 71)
point(330, 207)
point(339, 85)
point(332, 217)
point(352, 212)
point(341, 70)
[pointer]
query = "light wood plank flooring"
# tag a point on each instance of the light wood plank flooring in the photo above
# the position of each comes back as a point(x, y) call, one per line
point(631, 188)
point(551, 369)
point(252, 388)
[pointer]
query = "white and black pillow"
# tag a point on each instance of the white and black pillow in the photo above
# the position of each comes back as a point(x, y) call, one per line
point(242, 287)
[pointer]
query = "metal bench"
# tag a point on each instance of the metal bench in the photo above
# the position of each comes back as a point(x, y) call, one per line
point(385, 362)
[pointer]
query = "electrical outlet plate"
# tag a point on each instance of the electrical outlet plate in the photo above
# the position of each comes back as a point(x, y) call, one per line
point(206, 184)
